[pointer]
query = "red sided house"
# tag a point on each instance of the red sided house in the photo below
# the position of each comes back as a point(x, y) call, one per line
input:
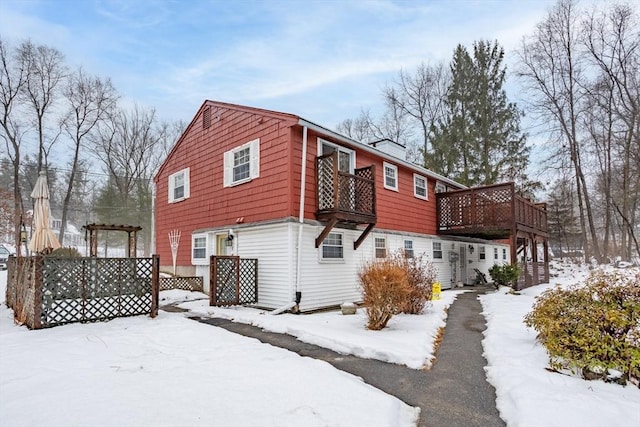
point(312, 206)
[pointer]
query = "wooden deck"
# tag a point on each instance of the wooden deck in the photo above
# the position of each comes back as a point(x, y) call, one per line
point(497, 212)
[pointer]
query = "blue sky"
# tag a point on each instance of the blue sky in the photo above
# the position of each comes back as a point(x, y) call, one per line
point(322, 60)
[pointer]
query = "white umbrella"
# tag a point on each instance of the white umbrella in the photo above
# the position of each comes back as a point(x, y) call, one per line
point(43, 236)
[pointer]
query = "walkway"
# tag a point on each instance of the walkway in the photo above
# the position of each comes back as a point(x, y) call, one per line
point(454, 392)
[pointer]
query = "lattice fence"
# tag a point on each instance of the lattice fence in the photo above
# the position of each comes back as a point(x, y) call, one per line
point(325, 168)
point(184, 283)
point(67, 290)
point(234, 280)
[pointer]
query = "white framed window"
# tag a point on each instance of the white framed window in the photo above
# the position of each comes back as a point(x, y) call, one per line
point(380, 247)
point(242, 164)
point(437, 250)
point(420, 187)
point(504, 254)
point(482, 253)
point(199, 249)
point(495, 253)
point(179, 186)
point(440, 187)
point(390, 176)
point(332, 248)
point(408, 248)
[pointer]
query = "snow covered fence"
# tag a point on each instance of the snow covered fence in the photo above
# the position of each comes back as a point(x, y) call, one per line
point(47, 291)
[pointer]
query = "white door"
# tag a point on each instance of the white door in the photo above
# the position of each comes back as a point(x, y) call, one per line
point(463, 264)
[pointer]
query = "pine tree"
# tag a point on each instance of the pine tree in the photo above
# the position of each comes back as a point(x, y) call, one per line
point(479, 141)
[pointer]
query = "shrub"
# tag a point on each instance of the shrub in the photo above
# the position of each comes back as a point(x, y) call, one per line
point(592, 329)
point(67, 252)
point(504, 275)
point(385, 288)
point(420, 277)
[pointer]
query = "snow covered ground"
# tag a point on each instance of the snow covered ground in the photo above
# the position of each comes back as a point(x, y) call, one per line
point(407, 339)
point(171, 371)
point(527, 394)
point(174, 371)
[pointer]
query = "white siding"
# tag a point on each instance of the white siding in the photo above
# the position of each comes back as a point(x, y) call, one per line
point(203, 270)
point(329, 283)
point(273, 246)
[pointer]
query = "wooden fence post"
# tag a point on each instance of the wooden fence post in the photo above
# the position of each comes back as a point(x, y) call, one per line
point(37, 295)
point(155, 284)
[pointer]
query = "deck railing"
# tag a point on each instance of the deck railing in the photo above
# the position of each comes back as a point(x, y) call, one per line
point(490, 211)
point(353, 196)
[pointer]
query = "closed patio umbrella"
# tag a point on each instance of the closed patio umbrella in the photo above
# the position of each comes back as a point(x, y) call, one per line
point(43, 236)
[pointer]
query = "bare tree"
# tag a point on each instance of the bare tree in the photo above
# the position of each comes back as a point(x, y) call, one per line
point(359, 128)
point(90, 100)
point(45, 71)
point(393, 124)
point(420, 96)
point(612, 39)
point(13, 76)
point(551, 66)
point(131, 146)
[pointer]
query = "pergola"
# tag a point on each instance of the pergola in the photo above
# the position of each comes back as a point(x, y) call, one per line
point(131, 230)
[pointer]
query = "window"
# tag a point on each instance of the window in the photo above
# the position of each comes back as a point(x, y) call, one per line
point(481, 253)
point(504, 253)
point(381, 247)
point(495, 253)
point(390, 176)
point(420, 187)
point(408, 248)
point(332, 248)
point(437, 250)
point(57, 224)
point(179, 186)
point(440, 187)
point(199, 252)
point(242, 164)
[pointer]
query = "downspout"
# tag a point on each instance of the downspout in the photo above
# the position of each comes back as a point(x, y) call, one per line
point(153, 218)
point(303, 180)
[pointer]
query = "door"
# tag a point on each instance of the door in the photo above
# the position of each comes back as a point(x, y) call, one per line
point(221, 244)
point(463, 264)
point(346, 164)
point(346, 161)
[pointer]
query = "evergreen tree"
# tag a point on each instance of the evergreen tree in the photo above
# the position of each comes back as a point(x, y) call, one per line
point(479, 141)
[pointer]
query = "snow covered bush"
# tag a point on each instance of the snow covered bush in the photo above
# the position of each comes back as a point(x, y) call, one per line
point(385, 288)
point(594, 328)
point(420, 277)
